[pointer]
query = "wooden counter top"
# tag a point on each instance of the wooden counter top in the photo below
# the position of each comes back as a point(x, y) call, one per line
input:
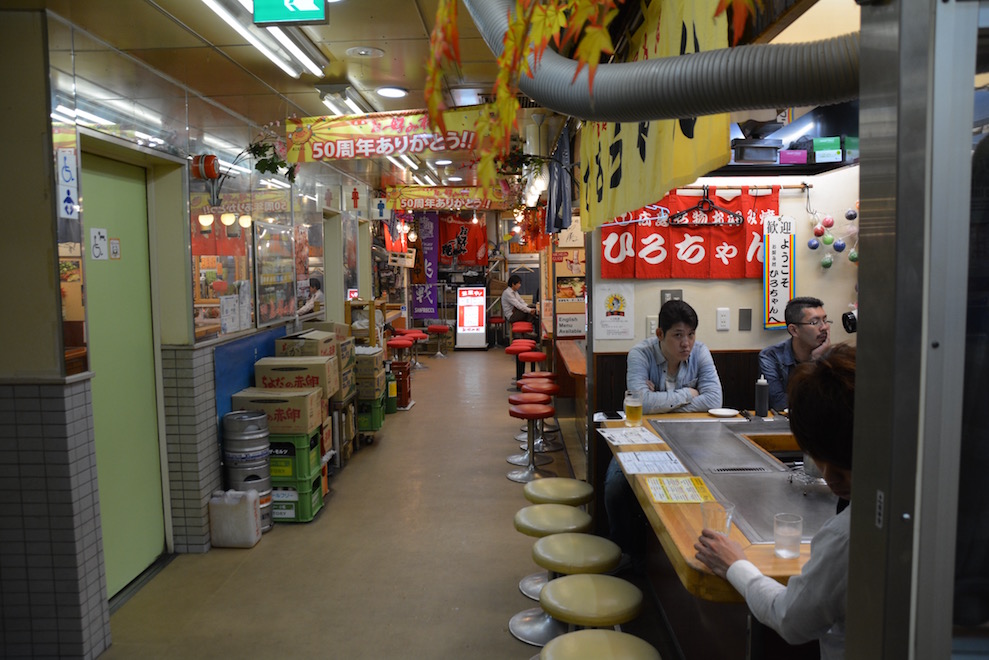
point(573, 357)
point(679, 525)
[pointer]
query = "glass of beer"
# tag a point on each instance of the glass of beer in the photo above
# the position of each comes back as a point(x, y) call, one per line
point(633, 408)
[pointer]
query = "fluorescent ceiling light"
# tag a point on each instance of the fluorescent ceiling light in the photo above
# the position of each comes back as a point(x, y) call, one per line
point(353, 106)
point(95, 94)
point(332, 106)
point(393, 92)
point(444, 161)
point(231, 166)
point(297, 53)
point(408, 160)
point(242, 30)
point(428, 179)
point(417, 180)
point(217, 143)
point(62, 118)
point(274, 183)
point(395, 163)
point(465, 96)
point(455, 178)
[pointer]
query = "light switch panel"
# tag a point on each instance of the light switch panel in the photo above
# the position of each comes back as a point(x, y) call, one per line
point(723, 323)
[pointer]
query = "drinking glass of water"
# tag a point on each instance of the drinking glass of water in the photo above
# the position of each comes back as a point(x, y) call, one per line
point(633, 408)
point(788, 528)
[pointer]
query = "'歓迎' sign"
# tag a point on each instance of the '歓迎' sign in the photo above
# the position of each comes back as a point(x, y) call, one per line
point(778, 276)
point(702, 246)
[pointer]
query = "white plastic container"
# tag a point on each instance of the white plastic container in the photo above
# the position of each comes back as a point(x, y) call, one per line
point(234, 519)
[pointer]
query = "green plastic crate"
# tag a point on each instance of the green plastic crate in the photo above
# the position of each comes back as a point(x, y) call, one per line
point(294, 456)
point(371, 413)
point(297, 500)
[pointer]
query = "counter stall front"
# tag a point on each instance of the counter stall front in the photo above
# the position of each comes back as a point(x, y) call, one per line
point(727, 459)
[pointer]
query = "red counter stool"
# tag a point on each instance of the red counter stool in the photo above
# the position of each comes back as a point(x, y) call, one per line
point(399, 348)
point(416, 336)
point(498, 322)
point(533, 358)
point(549, 426)
point(598, 643)
point(529, 412)
point(562, 554)
point(521, 329)
point(439, 331)
point(542, 443)
point(518, 349)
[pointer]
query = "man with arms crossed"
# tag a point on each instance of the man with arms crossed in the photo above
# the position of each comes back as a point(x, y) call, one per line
point(810, 337)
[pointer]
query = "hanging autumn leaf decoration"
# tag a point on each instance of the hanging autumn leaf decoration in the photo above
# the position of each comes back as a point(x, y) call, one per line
point(580, 24)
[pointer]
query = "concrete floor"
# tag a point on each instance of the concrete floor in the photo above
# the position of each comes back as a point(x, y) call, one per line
point(414, 554)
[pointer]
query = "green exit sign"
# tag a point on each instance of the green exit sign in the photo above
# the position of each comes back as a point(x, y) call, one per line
point(289, 12)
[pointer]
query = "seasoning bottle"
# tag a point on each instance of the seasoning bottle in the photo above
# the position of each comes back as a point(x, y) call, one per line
point(761, 397)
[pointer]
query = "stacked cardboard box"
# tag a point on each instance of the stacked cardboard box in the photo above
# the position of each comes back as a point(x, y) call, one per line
point(288, 411)
point(303, 372)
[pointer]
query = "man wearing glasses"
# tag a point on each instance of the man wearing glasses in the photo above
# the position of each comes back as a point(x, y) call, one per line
point(810, 336)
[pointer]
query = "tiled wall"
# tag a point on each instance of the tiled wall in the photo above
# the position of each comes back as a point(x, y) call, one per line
point(52, 582)
point(192, 440)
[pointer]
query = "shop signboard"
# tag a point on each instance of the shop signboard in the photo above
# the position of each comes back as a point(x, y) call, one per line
point(471, 321)
point(571, 325)
point(777, 280)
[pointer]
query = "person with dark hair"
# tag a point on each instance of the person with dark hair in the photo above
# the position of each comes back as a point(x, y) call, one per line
point(316, 297)
point(513, 307)
point(810, 336)
point(672, 372)
point(813, 604)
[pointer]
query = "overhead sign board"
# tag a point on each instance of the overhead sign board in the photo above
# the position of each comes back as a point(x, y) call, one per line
point(289, 12)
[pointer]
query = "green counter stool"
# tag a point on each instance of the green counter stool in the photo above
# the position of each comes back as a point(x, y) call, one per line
point(561, 554)
point(559, 490)
point(591, 601)
point(531, 412)
point(541, 520)
point(598, 644)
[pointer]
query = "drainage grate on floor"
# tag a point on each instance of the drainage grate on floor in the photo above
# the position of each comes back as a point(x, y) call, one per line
point(738, 469)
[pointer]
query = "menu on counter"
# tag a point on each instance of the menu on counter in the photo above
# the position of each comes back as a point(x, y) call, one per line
point(679, 489)
point(637, 435)
point(650, 462)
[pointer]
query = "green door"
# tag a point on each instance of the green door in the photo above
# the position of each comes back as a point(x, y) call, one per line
point(121, 356)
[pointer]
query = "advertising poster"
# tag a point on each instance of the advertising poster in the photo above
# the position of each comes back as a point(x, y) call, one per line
point(471, 321)
point(424, 275)
point(614, 311)
point(570, 292)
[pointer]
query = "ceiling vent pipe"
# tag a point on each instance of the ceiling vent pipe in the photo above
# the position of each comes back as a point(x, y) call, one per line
point(725, 80)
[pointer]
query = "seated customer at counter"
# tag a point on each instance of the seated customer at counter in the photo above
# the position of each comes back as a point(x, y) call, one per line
point(673, 373)
point(810, 336)
point(813, 604)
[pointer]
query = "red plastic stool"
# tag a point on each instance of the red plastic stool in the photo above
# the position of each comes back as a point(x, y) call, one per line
point(439, 331)
point(416, 336)
point(533, 357)
point(548, 375)
point(530, 412)
point(517, 350)
point(397, 344)
point(548, 387)
point(522, 459)
point(499, 325)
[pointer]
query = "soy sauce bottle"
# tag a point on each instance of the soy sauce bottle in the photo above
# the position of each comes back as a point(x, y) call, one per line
point(761, 397)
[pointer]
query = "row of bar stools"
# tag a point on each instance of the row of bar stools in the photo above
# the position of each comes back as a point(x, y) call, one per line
point(439, 331)
point(520, 398)
point(529, 412)
point(562, 554)
point(517, 348)
point(548, 425)
point(399, 348)
point(552, 490)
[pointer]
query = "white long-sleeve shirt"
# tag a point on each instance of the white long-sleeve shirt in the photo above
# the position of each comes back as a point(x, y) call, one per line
point(510, 301)
point(813, 604)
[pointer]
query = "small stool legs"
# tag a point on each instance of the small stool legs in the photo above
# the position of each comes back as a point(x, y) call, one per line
point(530, 471)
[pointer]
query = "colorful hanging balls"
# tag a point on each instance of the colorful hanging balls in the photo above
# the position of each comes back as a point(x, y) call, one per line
point(839, 245)
point(827, 221)
point(853, 255)
point(826, 261)
point(827, 239)
point(813, 244)
point(818, 230)
point(851, 214)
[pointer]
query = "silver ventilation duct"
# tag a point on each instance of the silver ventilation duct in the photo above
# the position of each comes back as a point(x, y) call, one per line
point(725, 80)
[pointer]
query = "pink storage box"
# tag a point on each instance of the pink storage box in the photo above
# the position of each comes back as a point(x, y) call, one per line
point(793, 157)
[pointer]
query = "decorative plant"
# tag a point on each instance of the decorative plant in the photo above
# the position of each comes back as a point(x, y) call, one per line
point(581, 24)
point(268, 151)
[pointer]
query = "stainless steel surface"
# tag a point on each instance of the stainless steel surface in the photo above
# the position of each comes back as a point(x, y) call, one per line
point(738, 471)
point(527, 474)
point(532, 584)
point(523, 459)
point(534, 626)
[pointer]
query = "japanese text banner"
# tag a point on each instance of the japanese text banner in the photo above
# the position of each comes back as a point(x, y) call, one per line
point(445, 198)
point(626, 166)
point(379, 134)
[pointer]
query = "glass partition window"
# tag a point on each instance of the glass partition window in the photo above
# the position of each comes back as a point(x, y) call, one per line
point(275, 265)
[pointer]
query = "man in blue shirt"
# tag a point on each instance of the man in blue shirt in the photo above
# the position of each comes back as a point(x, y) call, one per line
point(673, 373)
point(810, 336)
